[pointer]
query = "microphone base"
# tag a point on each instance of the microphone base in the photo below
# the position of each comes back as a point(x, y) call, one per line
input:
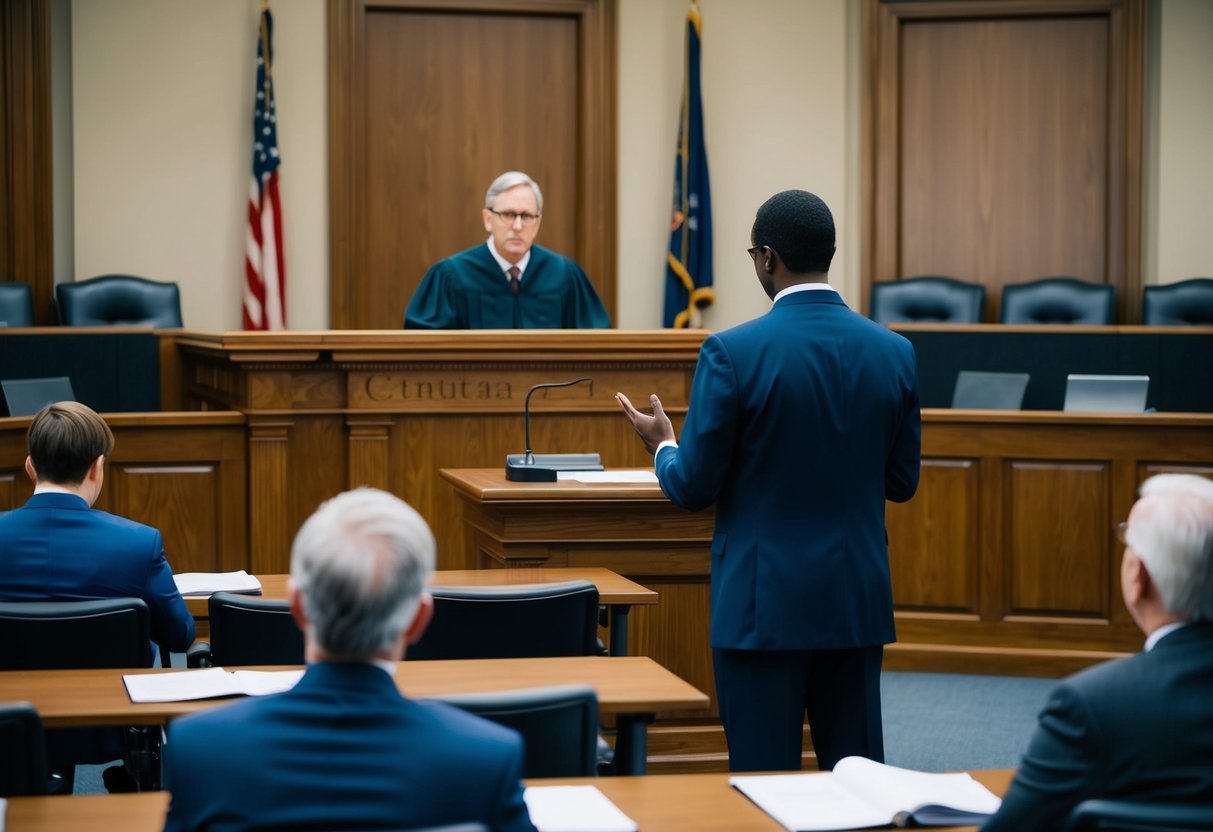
point(545, 466)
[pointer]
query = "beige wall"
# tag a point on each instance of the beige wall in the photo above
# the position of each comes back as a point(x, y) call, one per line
point(162, 139)
point(1178, 232)
point(161, 129)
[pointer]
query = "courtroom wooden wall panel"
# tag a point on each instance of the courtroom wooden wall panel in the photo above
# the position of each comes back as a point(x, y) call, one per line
point(934, 540)
point(1059, 514)
point(185, 474)
point(1002, 142)
point(662, 632)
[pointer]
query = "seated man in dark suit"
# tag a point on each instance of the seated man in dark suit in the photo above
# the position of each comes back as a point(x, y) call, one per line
point(343, 748)
point(57, 548)
point(1139, 728)
point(507, 282)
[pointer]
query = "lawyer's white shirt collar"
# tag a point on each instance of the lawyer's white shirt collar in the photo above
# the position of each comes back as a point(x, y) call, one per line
point(800, 287)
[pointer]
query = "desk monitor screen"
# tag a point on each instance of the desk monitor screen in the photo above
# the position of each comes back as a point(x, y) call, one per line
point(989, 391)
point(26, 396)
point(1106, 394)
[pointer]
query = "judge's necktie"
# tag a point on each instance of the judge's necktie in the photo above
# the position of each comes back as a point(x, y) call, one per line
point(515, 284)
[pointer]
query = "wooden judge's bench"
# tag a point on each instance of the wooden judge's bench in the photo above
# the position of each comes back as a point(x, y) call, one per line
point(1004, 562)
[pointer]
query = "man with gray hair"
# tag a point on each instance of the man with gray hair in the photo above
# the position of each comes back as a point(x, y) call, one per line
point(1139, 728)
point(507, 282)
point(343, 748)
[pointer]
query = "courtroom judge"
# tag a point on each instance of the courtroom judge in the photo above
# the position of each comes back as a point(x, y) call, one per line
point(57, 547)
point(507, 282)
point(1139, 728)
point(344, 749)
point(801, 424)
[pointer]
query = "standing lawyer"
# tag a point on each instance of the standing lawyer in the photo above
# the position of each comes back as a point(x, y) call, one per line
point(507, 282)
point(801, 424)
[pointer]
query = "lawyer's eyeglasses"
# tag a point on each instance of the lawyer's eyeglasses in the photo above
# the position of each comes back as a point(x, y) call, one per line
point(511, 217)
point(753, 251)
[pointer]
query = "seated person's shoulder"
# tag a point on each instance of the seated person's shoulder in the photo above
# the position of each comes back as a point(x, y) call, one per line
point(460, 725)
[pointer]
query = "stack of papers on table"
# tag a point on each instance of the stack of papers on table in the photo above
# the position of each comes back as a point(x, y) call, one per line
point(207, 684)
point(208, 583)
point(574, 809)
point(861, 793)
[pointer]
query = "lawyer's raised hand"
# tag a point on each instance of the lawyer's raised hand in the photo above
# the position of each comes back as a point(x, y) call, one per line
point(654, 429)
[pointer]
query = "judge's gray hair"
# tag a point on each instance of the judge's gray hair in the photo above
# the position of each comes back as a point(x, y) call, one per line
point(360, 563)
point(512, 179)
point(1174, 539)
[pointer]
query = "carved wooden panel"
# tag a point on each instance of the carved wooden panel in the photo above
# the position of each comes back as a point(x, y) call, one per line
point(11, 496)
point(1059, 537)
point(181, 501)
point(934, 542)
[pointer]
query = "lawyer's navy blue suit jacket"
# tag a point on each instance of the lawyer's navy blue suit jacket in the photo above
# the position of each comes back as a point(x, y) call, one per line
point(342, 749)
point(801, 424)
point(1139, 728)
point(56, 548)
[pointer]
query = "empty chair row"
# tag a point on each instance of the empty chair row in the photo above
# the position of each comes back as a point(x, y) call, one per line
point(1052, 300)
point(114, 299)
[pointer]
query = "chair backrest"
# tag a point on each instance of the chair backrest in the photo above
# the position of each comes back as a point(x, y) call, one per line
point(56, 635)
point(1058, 300)
point(1186, 303)
point(118, 299)
point(927, 299)
point(16, 304)
point(1136, 816)
point(989, 391)
point(247, 629)
point(22, 753)
point(510, 622)
point(559, 725)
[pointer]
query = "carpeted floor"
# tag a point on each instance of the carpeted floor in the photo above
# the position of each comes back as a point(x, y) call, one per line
point(932, 722)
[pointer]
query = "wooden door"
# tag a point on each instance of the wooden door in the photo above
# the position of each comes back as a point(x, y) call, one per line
point(1004, 142)
point(429, 103)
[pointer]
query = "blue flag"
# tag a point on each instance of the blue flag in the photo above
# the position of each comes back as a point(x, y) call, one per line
point(688, 274)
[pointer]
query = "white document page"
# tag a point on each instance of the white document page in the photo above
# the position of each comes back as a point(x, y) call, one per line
point(859, 793)
point(902, 789)
point(606, 476)
point(207, 583)
point(803, 802)
point(3, 812)
point(574, 809)
point(207, 684)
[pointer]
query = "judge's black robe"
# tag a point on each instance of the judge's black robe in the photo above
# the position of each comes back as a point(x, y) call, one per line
point(468, 290)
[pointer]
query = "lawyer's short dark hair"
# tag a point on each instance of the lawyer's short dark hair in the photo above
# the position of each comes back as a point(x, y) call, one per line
point(799, 227)
point(64, 441)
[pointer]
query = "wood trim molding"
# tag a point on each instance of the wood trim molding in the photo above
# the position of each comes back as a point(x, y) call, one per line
point(880, 110)
point(596, 215)
point(26, 221)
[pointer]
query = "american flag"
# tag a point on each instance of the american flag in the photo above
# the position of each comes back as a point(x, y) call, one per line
point(265, 273)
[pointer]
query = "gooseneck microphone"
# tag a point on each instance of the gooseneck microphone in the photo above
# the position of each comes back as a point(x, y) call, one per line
point(529, 467)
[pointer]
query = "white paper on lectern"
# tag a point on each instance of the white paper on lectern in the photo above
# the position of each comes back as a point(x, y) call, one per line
point(210, 683)
point(606, 476)
point(574, 809)
point(3, 812)
point(208, 583)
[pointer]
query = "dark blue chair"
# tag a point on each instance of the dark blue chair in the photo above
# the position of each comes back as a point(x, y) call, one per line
point(1058, 300)
point(1138, 816)
point(119, 299)
point(16, 304)
point(1186, 303)
point(927, 299)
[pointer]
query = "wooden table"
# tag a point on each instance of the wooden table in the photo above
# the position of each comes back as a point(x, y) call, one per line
point(658, 803)
point(633, 688)
point(615, 592)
